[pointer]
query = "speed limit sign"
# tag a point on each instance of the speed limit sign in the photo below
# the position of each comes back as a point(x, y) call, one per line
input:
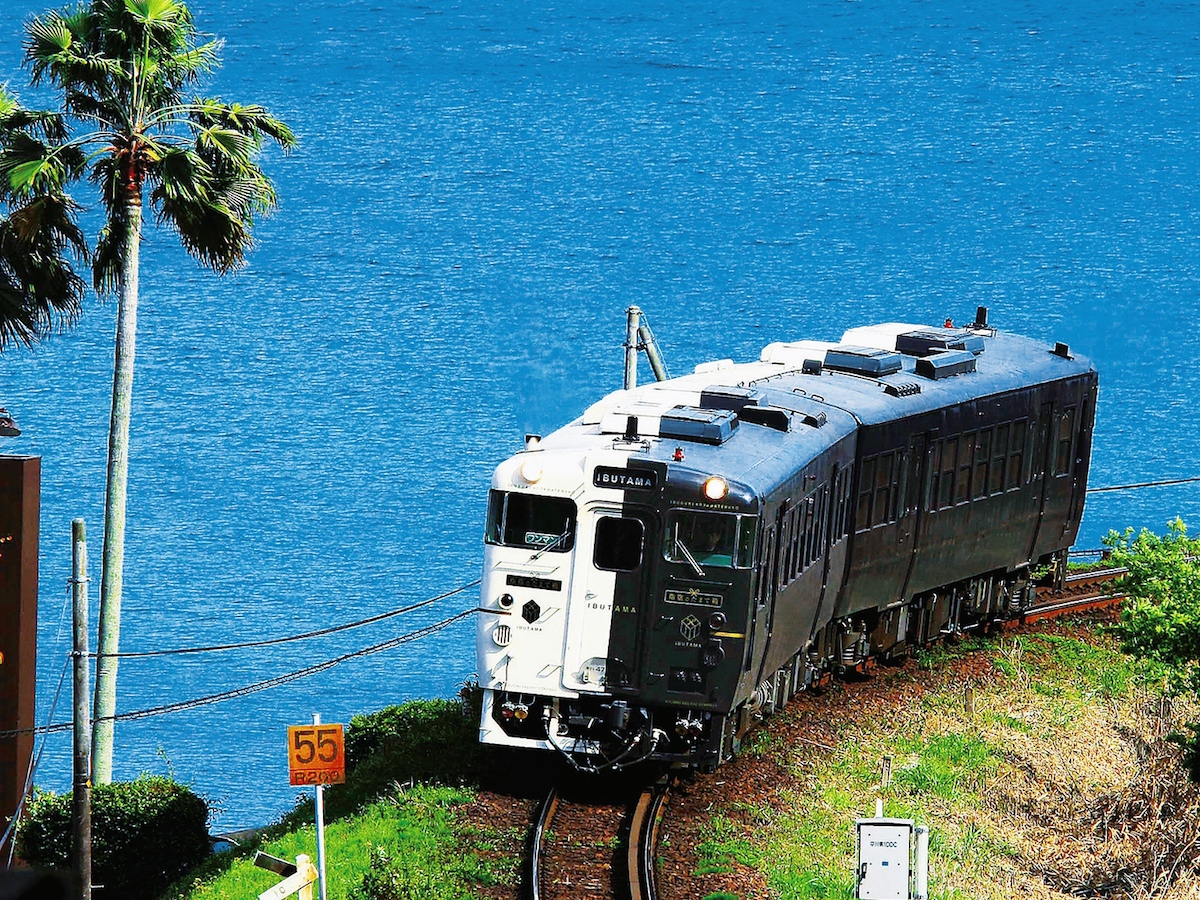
point(316, 754)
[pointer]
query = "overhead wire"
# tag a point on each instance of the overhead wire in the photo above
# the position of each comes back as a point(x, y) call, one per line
point(268, 642)
point(389, 644)
point(1143, 484)
point(34, 761)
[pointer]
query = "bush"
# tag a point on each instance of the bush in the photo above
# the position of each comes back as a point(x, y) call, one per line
point(1160, 618)
point(422, 740)
point(145, 834)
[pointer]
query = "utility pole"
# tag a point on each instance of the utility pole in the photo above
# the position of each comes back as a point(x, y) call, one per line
point(81, 794)
point(633, 318)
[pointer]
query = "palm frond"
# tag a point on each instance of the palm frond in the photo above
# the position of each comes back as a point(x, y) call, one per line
point(29, 167)
point(38, 286)
point(246, 118)
point(108, 255)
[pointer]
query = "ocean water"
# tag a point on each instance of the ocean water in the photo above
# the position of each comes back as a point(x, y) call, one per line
point(481, 189)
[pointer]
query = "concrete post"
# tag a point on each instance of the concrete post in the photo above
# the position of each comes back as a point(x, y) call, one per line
point(81, 790)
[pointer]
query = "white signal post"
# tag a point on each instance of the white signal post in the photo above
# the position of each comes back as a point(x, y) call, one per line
point(320, 790)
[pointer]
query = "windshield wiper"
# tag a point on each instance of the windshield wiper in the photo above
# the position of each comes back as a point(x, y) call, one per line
point(554, 543)
point(691, 560)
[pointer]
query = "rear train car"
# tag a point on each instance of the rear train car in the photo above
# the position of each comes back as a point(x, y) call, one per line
point(686, 555)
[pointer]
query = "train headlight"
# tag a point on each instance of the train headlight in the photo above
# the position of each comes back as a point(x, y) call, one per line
point(715, 487)
point(531, 470)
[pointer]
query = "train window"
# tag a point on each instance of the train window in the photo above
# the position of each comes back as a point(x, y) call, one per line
point(935, 474)
point(764, 565)
point(799, 529)
point(983, 457)
point(530, 521)
point(949, 467)
point(862, 515)
point(999, 460)
point(1066, 431)
point(821, 522)
point(884, 472)
point(1016, 455)
point(966, 452)
point(810, 527)
point(618, 543)
point(709, 539)
point(745, 544)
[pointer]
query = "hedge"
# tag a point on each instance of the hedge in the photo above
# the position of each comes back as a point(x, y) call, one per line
point(145, 834)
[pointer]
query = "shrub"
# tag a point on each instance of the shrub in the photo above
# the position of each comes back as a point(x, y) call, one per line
point(422, 740)
point(145, 834)
point(1161, 615)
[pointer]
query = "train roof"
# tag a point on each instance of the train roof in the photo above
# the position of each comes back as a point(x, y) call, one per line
point(801, 397)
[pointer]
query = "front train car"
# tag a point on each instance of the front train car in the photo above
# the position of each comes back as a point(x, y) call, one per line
point(617, 613)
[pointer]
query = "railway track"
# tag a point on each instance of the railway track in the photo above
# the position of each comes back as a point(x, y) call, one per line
point(1081, 591)
point(581, 847)
point(586, 846)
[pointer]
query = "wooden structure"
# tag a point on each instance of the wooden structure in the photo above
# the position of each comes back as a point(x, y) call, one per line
point(20, 501)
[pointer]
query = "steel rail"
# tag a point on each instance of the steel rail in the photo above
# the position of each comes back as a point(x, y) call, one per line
point(537, 842)
point(643, 842)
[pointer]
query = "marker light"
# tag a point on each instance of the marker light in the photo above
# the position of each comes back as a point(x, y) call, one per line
point(715, 487)
point(531, 471)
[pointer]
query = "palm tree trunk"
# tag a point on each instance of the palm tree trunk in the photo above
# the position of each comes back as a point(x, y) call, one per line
point(114, 502)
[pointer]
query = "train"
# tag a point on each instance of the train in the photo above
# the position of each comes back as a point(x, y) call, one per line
point(679, 561)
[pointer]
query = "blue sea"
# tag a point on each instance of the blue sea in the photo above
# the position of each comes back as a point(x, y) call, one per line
point(480, 191)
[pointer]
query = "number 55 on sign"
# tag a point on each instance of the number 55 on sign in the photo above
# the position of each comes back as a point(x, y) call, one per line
point(316, 754)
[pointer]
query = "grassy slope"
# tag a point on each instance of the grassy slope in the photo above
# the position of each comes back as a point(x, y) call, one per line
point(407, 841)
point(1061, 730)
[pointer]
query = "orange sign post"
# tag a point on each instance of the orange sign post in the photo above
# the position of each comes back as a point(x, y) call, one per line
point(317, 757)
point(316, 754)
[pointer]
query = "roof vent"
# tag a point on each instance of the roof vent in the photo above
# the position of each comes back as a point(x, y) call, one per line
point(946, 363)
point(863, 360)
point(926, 343)
point(770, 416)
point(1061, 349)
point(705, 426)
point(817, 421)
point(904, 389)
point(811, 367)
point(732, 398)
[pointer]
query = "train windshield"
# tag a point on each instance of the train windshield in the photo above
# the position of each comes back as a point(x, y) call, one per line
point(710, 539)
point(530, 521)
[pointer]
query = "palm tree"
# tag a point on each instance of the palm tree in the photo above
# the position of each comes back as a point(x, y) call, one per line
point(122, 69)
point(38, 286)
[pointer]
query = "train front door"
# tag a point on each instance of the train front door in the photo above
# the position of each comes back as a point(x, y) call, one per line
point(604, 631)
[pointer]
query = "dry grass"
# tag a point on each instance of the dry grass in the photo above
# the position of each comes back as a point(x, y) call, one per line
point(1054, 781)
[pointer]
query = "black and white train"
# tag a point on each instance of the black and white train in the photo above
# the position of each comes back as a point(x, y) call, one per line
point(686, 555)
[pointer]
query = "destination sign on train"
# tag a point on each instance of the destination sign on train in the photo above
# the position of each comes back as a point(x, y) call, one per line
point(639, 479)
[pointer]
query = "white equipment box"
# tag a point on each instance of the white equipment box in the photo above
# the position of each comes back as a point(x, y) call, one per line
point(885, 860)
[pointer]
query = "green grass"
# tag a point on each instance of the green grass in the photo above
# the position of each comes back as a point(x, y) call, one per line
point(408, 837)
point(948, 767)
point(385, 841)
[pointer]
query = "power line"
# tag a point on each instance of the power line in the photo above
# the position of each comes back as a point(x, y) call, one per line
point(1144, 484)
point(35, 760)
point(295, 637)
point(257, 686)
